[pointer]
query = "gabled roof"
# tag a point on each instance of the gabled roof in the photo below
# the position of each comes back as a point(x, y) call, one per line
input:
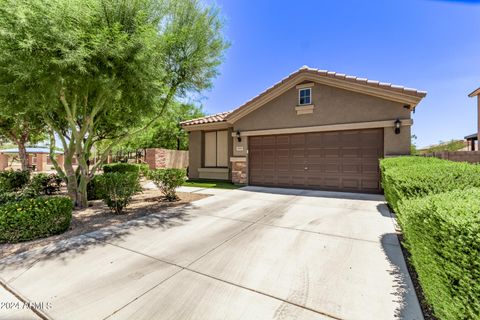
point(409, 96)
point(474, 93)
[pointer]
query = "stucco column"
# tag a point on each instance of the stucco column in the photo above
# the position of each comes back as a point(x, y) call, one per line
point(3, 161)
point(41, 162)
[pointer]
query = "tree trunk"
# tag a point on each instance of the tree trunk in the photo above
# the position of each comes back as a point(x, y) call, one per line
point(81, 196)
point(22, 153)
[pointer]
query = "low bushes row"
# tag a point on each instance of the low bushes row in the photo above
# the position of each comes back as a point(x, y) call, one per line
point(19, 185)
point(117, 187)
point(437, 203)
point(34, 218)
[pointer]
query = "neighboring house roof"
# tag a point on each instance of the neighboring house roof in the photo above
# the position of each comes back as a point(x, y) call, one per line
point(30, 150)
point(474, 93)
point(409, 96)
point(471, 136)
point(219, 117)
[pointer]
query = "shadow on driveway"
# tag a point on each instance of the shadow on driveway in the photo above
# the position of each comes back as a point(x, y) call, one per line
point(11, 267)
point(404, 292)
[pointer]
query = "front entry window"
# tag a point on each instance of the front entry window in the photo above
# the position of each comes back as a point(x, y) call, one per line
point(216, 149)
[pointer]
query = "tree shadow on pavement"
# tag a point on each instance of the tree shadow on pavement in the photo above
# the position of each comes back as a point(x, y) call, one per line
point(11, 267)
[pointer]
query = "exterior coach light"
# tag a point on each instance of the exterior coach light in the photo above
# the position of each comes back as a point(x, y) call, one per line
point(398, 123)
point(239, 139)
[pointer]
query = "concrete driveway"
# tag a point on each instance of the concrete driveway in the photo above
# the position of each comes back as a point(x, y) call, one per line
point(251, 253)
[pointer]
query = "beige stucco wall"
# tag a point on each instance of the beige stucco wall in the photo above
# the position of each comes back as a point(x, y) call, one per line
point(396, 144)
point(331, 106)
point(195, 147)
point(240, 148)
point(196, 155)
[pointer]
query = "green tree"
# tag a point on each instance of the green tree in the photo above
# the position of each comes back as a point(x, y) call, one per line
point(98, 68)
point(20, 124)
point(166, 132)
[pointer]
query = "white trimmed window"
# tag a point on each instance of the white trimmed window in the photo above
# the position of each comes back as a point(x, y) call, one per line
point(216, 149)
point(305, 96)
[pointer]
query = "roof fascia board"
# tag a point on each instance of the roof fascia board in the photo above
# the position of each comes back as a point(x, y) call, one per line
point(207, 126)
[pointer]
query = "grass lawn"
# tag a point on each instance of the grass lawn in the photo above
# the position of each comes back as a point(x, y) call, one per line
point(210, 184)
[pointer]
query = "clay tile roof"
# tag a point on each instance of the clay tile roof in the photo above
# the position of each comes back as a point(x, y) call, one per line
point(218, 117)
point(222, 117)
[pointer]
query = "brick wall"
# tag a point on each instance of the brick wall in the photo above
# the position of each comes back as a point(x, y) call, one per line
point(163, 158)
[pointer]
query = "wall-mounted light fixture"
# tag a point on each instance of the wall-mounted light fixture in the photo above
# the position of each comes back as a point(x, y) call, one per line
point(398, 123)
point(239, 138)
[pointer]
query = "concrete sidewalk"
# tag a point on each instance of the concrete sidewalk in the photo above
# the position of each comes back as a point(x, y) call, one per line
point(251, 253)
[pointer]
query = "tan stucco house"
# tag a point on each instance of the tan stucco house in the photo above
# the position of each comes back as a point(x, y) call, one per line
point(313, 129)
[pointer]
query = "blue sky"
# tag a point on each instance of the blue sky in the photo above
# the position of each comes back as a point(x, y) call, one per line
point(425, 44)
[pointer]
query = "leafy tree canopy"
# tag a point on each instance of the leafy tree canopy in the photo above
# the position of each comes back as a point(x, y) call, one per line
point(166, 132)
point(97, 69)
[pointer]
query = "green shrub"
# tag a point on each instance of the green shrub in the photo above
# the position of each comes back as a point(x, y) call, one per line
point(442, 233)
point(42, 184)
point(6, 197)
point(410, 177)
point(121, 167)
point(94, 190)
point(34, 218)
point(117, 189)
point(167, 180)
point(13, 180)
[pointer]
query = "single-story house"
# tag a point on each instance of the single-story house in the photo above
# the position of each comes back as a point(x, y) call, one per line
point(313, 129)
point(38, 158)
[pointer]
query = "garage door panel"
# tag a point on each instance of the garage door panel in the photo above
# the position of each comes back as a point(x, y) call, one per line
point(350, 183)
point(351, 152)
point(342, 160)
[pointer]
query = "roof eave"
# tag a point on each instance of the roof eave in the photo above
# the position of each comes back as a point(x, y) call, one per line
point(474, 93)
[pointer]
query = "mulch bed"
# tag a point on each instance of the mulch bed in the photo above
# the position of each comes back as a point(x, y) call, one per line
point(98, 216)
point(426, 308)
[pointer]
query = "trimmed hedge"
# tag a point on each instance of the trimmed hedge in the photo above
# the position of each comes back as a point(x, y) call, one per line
point(411, 177)
point(34, 218)
point(11, 180)
point(125, 167)
point(442, 233)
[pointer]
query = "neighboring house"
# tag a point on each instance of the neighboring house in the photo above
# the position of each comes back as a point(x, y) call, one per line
point(313, 129)
point(38, 159)
point(473, 138)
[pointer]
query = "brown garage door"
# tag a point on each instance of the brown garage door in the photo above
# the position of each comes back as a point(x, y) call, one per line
point(338, 160)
